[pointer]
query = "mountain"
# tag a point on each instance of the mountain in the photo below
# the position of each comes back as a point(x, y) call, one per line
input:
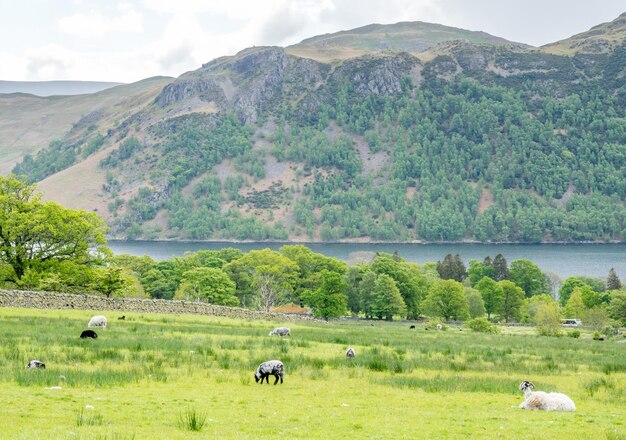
point(50, 88)
point(603, 38)
point(451, 140)
point(412, 37)
point(29, 123)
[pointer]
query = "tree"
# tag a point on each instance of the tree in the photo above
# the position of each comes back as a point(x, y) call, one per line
point(263, 278)
point(446, 300)
point(475, 302)
point(566, 289)
point(33, 233)
point(548, 319)
point(477, 271)
point(411, 284)
point(613, 282)
point(492, 295)
point(387, 299)
point(329, 300)
point(512, 300)
point(452, 268)
point(575, 308)
point(353, 278)
point(617, 307)
point(500, 268)
point(526, 274)
point(110, 281)
point(532, 304)
point(207, 284)
point(367, 287)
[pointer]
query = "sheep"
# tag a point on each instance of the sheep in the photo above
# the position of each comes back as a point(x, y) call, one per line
point(88, 334)
point(350, 354)
point(439, 327)
point(35, 364)
point(122, 318)
point(275, 368)
point(544, 401)
point(412, 327)
point(281, 331)
point(97, 321)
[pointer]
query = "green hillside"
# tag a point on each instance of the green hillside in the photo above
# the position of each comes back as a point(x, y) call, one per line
point(480, 141)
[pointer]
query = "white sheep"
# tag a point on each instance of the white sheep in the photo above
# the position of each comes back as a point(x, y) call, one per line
point(97, 321)
point(281, 331)
point(350, 354)
point(544, 401)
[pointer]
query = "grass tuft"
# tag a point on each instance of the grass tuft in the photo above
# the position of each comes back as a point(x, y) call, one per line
point(191, 420)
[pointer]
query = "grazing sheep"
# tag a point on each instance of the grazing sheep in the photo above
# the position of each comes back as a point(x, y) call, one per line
point(97, 321)
point(35, 364)
point(88, 334)
point(121, 318)
point(274, 368)
point(281, 331)
point(545, 401)
point(412, 327)
point(439, 327)
point(350, 354)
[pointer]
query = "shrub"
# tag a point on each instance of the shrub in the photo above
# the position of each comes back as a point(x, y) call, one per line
point(574, 334)
point(191, 420)
point(431, 324)
point(482, 325)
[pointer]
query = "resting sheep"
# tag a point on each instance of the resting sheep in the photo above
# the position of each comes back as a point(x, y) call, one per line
point(88, 334)
point(97, 321)
point(281, 331)
point(274, 368)
point(350, 354)
point(35, 364)
point(544, 401)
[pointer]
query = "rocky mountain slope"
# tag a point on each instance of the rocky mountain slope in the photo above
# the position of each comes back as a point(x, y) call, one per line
point(405, 132)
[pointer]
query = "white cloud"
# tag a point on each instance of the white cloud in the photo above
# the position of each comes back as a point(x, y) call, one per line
point(95, 24)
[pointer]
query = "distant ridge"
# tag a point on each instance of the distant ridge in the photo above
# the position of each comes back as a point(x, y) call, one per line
point(50, 88)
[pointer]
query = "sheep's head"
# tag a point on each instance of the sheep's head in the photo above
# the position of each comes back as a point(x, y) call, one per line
point(257, 376)
point(526, 386)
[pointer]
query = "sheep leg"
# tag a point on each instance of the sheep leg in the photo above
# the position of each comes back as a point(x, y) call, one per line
point(276, 377)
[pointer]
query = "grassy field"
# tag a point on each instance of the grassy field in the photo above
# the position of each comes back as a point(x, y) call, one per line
point(160, 376)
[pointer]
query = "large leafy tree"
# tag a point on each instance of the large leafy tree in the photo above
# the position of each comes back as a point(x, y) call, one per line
point(568, 287)
point(446, 300)
point(412, 285)
point(528, 276)
point(492, 295)
point(264, 278)
point(34, 233)
point(512, 301)
point(617, 307)
point(387, 298)
point(329, 300)
point(207, 284)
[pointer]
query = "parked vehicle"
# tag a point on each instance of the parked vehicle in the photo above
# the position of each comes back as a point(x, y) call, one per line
point(572, 323)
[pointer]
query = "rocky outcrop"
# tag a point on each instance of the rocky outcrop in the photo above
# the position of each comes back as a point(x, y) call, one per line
point(57, 301)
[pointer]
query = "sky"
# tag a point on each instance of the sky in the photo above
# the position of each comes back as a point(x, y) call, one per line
point(129, 40)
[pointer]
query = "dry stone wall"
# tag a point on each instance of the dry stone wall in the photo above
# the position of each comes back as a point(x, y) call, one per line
point(50, 300)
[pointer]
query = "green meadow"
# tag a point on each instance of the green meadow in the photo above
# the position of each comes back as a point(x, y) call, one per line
point(169, 377)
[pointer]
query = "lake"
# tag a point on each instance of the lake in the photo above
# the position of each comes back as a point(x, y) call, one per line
point(563, 259)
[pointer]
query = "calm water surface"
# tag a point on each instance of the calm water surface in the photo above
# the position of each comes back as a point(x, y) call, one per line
point(563, 259)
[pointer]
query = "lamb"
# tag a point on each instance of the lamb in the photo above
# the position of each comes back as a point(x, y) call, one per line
point(274, 368)
point(35, 364)
point(545, 401)
point(350, 354)
point(88, 334)
point(97, 321)
point(281, 331)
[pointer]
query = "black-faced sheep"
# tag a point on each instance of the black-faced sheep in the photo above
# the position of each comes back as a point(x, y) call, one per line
point(281, 331)
point(274, 368)
point(88, 334)
point(121, 318)
point(97, 321)
point(35, 364)
point(412, 327)
point(544, 401)
point(350, 354)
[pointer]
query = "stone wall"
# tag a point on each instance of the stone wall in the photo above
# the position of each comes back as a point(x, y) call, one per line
point(49, 300)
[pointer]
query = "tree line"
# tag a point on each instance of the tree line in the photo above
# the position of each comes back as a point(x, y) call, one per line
point(44, 246)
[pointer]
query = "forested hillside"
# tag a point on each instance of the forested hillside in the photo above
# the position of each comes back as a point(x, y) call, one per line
point(471, 141)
